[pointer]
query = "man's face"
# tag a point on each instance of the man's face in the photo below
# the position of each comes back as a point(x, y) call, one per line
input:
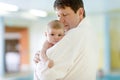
point(68, 17)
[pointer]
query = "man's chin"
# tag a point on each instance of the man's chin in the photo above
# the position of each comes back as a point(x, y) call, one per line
point(67, 30)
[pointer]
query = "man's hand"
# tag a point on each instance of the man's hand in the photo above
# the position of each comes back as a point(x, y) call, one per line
point(36, 58)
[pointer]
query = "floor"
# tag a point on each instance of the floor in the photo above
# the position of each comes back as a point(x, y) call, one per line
point(30, 77)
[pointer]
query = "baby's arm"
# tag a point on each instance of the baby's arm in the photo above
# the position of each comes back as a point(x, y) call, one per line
point(48, 62)
point(43, 55)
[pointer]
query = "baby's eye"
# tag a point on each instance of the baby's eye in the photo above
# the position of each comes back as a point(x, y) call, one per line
point(59, 35)
point(52, 34)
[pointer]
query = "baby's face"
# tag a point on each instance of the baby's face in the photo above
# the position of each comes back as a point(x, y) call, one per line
point(54, 35)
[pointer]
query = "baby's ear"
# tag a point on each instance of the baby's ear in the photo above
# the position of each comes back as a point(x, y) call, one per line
point(45, 33)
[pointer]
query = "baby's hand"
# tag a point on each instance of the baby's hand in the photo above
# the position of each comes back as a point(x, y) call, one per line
point(50, 63)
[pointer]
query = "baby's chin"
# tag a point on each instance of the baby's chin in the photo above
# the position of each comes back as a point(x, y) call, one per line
point(54, 43)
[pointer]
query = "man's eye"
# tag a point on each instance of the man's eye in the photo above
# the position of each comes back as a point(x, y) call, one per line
point(64, 14)
point(58, 15)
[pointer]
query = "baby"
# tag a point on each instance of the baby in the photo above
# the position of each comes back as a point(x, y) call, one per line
point(55, 32)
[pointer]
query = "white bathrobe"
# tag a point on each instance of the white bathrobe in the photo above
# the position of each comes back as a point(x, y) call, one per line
point(75, 56)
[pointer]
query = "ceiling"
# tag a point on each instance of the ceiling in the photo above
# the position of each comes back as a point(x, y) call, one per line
point(91, 6)
point(47, 5)
point(30, 4)
point(26, 5)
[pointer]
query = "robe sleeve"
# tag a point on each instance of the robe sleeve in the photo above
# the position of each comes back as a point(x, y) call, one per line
point(63, 54)
point(74, 56)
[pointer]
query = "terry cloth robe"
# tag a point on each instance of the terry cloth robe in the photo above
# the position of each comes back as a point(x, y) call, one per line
point(75, 56)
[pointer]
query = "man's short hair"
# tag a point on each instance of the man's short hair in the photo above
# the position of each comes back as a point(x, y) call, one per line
point(73, 4)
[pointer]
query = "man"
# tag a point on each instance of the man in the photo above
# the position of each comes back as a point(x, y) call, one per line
point(75, 56)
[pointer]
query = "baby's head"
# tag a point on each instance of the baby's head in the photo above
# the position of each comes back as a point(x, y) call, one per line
point(55, 31)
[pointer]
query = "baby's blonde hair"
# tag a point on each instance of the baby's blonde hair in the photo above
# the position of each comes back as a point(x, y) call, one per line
point(55, 24)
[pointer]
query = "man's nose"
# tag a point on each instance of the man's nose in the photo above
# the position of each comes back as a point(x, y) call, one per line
point(61, 19)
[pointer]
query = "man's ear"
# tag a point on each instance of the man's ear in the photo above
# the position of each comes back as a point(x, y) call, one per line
point(81, 12)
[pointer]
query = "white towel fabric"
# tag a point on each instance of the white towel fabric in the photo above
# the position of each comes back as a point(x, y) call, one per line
point(75, 56)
